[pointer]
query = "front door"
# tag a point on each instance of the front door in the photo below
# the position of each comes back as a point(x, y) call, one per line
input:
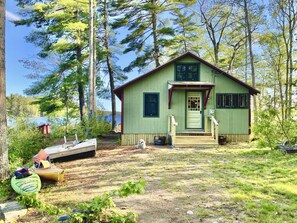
point(194, 110)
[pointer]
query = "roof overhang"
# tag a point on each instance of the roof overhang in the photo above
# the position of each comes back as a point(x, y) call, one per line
point(189, 85)
point(118, 91)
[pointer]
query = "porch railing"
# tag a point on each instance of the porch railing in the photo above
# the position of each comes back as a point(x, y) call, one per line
point(214, 129)
point(172, 128)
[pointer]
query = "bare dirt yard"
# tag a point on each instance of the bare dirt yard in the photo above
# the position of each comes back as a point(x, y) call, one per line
point(182, 185)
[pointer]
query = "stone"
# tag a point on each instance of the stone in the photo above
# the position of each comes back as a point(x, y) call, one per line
point(11, 211)
point(190, 212)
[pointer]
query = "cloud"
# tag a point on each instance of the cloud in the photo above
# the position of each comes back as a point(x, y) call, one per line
point(11, 16)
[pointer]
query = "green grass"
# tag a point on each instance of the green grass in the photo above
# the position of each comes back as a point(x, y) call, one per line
point(263, 183)
point(232, 183)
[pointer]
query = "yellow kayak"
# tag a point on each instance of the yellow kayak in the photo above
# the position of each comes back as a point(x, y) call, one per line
point(51, 173)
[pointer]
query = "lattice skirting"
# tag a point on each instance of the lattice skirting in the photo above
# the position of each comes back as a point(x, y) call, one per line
point(132, 139)
point(237, 138)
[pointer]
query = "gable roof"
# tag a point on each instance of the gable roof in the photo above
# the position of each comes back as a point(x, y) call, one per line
point(118, 91)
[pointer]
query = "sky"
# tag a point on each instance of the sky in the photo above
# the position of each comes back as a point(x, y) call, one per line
point(18, 49)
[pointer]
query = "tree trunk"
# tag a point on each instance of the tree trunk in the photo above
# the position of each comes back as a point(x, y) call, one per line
point(80, 84)
point(249, 32)
point(216, 54)
point(292, 27)
point(155, 36)
point(3, 129)
point(287, 72)
point(92, 70)
point(109, 65)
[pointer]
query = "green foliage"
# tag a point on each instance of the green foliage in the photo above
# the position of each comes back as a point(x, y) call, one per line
point(94, 127)
point(5, 190)
point(32, 201)
point(60, 127)
point(266, 128)
point(24, 141)
point(61, 32)
point(20, 106)
point(271, 130)
point(147, 30)
point(131, 187)
point(29, 200)
point(102, 208)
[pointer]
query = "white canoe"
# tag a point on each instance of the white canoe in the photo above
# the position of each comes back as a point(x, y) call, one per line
point(71, 149)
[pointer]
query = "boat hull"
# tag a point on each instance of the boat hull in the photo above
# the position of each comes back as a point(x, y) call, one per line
point(52, 173)
point(60, 151)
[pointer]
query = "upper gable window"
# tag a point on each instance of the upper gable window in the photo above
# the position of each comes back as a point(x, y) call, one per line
point(187, 72)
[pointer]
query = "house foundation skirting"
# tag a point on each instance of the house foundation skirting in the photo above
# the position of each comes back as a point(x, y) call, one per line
point(237, 138)
point(132, 139)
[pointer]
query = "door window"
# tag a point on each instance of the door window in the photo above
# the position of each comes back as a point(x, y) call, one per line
point(193, 103)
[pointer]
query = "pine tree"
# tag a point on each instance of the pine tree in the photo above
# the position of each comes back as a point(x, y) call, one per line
point(147, 30)
point(61, 28)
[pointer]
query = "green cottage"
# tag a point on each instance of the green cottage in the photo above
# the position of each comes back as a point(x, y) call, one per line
point(189, 101)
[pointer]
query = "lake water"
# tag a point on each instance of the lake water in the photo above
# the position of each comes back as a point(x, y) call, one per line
point(44, 120)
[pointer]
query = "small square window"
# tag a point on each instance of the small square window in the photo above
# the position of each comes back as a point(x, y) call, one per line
point(187, 72)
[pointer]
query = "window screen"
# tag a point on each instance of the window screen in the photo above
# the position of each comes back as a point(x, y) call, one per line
point(232, 100)
point(151, 104)
point(187, 72)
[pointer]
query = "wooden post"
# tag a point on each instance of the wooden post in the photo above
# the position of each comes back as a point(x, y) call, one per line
point(206, 124)
point(217, 134)
point(173, 134)
point(169, 123)
point(212, 129)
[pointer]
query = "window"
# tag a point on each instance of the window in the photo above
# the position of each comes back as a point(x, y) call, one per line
point(232, 100)
point(187, 72)
point(193, 103)
point(151, 105)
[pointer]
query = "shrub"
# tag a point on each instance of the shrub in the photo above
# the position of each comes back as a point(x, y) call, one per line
point(32, 201)
point(270, 129)
point(102, 208)
point(92, 128)
point(24, 141)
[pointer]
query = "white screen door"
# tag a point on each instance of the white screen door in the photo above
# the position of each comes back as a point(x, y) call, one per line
point(194, 110)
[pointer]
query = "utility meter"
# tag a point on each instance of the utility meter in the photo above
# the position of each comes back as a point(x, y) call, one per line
point(211, 111)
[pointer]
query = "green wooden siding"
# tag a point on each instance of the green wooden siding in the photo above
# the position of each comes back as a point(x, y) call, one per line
point(178, 109)
point(134, 122)
point(232, 121)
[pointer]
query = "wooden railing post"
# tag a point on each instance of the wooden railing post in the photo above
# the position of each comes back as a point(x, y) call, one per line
point(172, 129)
point(215, 129)
point(206, 123)
point(217, 134)
point(212, 129)
point(169, 124)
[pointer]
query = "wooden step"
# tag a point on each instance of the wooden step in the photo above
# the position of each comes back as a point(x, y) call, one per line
point(193, 134)
point(195, 141)
point(200, 146)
